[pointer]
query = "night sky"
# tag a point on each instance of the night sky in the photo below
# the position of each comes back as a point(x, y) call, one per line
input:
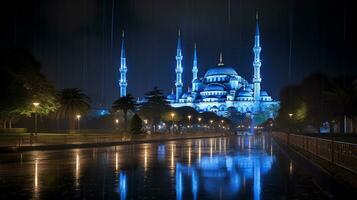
point(77, 41)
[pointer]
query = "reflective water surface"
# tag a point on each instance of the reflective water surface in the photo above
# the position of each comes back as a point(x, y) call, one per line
point(245, 167)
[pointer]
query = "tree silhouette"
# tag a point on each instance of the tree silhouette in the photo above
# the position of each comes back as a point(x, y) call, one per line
point(21, 84)
point(72, 102)
point(136, 124)
point(125, 104)
point(341, 98)
point(154, 106)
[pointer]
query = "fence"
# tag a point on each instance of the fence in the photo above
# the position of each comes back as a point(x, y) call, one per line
point(338, 153)
point(60, 139)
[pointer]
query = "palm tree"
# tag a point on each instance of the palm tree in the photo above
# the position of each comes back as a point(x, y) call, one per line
point(72, 102)
point(341, 97)
point(125, 104)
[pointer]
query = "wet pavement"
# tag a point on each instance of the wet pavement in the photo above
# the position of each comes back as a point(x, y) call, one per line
point(238, 167)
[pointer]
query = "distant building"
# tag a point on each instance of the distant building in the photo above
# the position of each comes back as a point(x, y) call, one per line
point(222, 88)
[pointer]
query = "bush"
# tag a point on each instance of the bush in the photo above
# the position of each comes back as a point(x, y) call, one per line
point(135, 125)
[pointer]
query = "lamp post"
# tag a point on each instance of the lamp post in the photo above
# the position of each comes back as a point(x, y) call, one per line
point(36, 104)
point(116, 124)
point(146, 124)
point(172, 120)
point(211, 121)
point(79, 121)
point(290, 116)
point(189, 120)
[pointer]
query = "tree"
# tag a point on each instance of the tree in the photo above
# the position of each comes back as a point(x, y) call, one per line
point(72, 102)
point(154, 106)
point(124, 104)
point(341, 98)
point(136, 124)
point(21, 84)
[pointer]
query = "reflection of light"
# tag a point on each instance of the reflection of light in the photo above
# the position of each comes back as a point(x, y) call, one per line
point(172, 158)
point(220, 145)
point(36, 174)
point(210, 149)
point(189, 155)
point(36, 188)
point(240, 170)
point(291, 167)
point(161, 152)
point(122, 185)
point(116, 161)
point(256, 184)
point(145, 157)
point(194, 185)
point(179, 186)
point(225, 146)
point(199, 150)
point(77, 170)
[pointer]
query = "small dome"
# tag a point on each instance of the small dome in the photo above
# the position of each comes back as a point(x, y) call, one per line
point(244, 93)
point(264, 93)
point(171, 97)
point(215, 87)
point(221, 70)
point(184, 96)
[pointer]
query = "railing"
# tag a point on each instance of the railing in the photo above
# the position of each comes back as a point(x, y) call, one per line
point(61, 139)
point(338, 153)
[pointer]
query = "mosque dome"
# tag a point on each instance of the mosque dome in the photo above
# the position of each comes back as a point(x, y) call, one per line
point(264, 93)
point(215, 87)
point(171, 97)
point(221, 70)
point(244, 93)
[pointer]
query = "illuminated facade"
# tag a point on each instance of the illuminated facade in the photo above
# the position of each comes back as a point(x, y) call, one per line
point(222, 89)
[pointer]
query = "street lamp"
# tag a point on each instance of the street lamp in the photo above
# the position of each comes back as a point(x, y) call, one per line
point(189, 120)
point(290, 116)
point(172, 120)
point(36, 104)
point(211, 121)
point(79, 120)
point(116, 124)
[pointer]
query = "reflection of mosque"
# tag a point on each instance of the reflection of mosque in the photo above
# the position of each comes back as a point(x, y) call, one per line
point(212, 173)
point(215, 168)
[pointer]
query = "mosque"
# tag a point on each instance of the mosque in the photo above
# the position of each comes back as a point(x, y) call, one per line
point(220, 90)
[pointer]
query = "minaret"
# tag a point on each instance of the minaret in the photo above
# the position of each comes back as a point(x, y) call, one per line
point(123, 83)
point(194, 67)
point(179, 68)
point(220, 60)
point(257, 62)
